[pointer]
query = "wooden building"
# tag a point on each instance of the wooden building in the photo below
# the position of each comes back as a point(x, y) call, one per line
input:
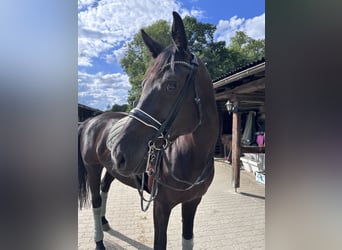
point(84, 112)
point(245, 90)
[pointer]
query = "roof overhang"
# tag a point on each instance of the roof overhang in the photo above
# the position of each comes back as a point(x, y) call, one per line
point(245, 88)
point(240, 75)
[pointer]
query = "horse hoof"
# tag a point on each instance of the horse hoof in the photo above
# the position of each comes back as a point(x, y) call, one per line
point(99, 245)
point(106, 227)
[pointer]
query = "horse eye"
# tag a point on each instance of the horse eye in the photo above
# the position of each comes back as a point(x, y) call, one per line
point(171, 86)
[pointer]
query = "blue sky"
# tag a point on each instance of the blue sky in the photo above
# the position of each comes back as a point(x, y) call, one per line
point(105, 26)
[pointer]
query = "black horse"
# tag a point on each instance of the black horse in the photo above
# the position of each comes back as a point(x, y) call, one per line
point(164, 146)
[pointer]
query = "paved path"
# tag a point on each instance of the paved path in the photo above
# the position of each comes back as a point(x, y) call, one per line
point(224, 219)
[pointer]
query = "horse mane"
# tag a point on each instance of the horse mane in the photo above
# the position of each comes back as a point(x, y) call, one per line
point(161, 61)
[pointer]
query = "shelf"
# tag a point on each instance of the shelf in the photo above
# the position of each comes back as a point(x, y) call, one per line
point(252, 149)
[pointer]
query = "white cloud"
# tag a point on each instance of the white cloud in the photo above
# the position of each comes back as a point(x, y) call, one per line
point(82, 4)
point(107, 24)
point(99, 90)
point(194, 12)
point(103, 27)
point(116, 55)
point(253, 27)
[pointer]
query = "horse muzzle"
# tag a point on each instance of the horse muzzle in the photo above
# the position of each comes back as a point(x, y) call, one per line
point(123, 166)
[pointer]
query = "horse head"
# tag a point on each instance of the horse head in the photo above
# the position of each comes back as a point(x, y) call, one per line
point(175, 88)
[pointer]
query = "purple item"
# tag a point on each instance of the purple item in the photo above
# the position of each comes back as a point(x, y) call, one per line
point(260, 140)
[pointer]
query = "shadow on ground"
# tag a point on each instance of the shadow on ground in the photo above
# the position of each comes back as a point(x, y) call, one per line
point(252, 195)
point(134, 243)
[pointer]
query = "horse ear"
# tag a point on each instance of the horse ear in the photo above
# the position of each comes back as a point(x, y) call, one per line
point(154, 47)
point(178, 32)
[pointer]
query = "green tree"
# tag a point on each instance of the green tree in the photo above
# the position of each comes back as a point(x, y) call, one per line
point(138, 58)
point(201, 41)
point(118, 108)
point(246, 49)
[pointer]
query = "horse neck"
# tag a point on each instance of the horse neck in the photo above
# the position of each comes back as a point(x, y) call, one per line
point(198, 146)
point(207, 132)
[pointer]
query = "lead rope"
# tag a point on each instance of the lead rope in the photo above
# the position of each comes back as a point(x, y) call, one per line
point(150, 172)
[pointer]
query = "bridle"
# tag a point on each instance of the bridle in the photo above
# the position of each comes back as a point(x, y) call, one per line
point(162, 128)
point(161, 140)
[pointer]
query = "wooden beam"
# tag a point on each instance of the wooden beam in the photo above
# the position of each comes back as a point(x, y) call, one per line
point(249, 87)
point(236, 151)
point(243, 107)
point(252, 97)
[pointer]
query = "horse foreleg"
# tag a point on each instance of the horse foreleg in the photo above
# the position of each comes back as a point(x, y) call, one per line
point(94, 180)
point(105, 185)
point(161, 215)
point(188, 216)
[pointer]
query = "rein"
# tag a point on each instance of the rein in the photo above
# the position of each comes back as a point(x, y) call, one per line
point(153, 169)
point(161, 141)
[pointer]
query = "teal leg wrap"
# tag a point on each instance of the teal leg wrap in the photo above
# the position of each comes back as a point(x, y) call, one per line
point(98, 233)
point(187, 244)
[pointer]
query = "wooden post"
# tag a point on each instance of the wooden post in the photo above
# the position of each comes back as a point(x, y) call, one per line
point(236, 151)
